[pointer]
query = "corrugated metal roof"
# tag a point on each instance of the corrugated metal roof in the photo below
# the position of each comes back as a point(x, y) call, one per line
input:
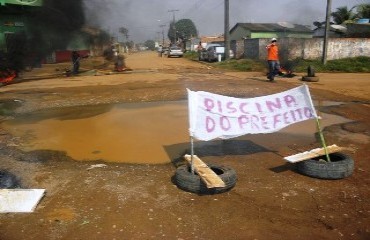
point(273, 27)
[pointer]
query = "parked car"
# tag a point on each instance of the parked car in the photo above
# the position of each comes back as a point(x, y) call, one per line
point(175, 51)
point(211, 51)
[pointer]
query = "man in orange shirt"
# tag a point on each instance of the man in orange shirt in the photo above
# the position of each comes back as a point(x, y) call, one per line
point(273, 59)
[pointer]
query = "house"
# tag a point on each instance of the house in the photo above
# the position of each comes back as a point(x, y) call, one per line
point(358, 30)
point(14, 32)
point(335, 31)
point(269, 30)
point(204, 40)
point(13, 21)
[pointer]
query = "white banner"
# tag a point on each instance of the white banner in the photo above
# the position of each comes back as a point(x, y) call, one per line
point(215, 116)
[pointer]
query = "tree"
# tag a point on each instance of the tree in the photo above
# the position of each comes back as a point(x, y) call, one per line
point(150, 44)
point(363, 11)
point(343, 14)
point(129, 44)
point(185, 29)
point(123, 31)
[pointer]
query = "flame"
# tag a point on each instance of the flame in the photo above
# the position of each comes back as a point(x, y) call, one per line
point(7, 76)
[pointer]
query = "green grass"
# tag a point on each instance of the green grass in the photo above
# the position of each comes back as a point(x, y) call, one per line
point(191, 55)
point(245, 65)
point(345, 65)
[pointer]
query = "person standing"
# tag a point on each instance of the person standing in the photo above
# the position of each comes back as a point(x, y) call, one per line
point(273, 59)
point(76, 61)
point(76, 57)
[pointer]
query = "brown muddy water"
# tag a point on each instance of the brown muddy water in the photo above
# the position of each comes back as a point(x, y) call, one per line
point(143, 133)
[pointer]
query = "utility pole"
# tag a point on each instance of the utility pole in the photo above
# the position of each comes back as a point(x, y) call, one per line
point(327, 27)
point(158, 36)
point(174, 22)
point(162, 26)
point(227, 32)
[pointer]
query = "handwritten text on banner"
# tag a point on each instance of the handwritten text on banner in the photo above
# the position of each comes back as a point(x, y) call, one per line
point(215, 116)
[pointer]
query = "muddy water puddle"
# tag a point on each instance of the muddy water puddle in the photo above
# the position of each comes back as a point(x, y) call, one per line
point(145, 133)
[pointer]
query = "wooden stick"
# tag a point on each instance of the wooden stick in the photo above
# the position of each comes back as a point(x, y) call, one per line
point(192, 154)
point(322, 140)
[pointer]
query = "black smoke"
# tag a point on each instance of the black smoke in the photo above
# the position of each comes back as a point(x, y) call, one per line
point(53, 26)
point(49, 28)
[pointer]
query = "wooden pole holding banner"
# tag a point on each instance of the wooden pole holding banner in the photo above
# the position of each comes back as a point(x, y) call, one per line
point(322, 139)
point(192, 154)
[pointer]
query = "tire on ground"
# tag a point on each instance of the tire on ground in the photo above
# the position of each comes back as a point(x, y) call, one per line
point(189, 182)
point(310, 79)
point(341, 166)
point(8, 180)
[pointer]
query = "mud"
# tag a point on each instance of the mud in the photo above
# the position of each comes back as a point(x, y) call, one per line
point(139, 201)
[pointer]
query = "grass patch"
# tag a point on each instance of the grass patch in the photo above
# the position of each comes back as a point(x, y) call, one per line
point(246, 65)
point(191, 55)
point(346, 65)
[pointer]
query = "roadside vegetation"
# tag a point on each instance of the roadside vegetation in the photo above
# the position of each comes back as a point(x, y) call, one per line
point(346, 65)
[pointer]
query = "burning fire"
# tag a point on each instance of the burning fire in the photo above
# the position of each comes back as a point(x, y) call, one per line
point(286, 73)
point(283, 71)
point(7, 76)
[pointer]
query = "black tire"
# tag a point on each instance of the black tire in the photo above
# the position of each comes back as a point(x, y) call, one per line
point(341, 166)
point(189, 182)
point(310, 79)
point(8, 180)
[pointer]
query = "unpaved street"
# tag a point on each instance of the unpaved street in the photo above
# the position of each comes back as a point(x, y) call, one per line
point(140, 201)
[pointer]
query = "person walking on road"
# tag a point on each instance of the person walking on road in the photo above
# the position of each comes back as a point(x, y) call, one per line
point(273, 59)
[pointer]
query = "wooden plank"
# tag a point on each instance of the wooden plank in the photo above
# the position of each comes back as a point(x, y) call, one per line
point(208, 176)
point(312, 153)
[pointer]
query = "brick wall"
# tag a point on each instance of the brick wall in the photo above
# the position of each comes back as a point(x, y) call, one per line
point(291, 48)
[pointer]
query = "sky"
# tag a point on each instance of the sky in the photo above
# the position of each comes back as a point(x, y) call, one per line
point(143, 18)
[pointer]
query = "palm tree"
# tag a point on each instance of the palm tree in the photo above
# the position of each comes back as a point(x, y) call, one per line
point(342, 14)
point(363, 11)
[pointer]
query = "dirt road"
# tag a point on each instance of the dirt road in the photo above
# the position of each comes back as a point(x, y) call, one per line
point(139, 201)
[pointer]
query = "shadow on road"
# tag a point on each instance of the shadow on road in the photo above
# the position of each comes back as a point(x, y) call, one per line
point(213, 148)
